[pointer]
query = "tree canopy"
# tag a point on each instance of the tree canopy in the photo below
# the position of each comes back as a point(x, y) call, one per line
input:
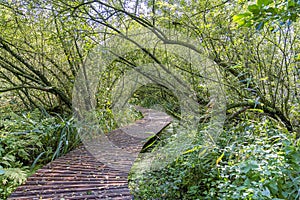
point(44, 44)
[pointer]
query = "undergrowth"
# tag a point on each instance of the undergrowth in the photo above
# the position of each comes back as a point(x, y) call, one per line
point(29, 140)
point(253, 160)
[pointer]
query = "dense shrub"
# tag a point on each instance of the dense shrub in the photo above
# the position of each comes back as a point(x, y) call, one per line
point(253, 160)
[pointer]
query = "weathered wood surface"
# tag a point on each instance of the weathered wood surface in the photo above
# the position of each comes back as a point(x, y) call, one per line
point(79, 175)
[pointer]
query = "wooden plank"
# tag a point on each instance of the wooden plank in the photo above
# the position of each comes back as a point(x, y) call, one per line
point(79, 175)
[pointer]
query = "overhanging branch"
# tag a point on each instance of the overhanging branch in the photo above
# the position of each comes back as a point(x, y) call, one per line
point(272, 112)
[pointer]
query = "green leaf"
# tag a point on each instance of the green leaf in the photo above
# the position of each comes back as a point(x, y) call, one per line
point(193, 149)
point(264, 78)
point(273, 187)
point(202, 153)
point(261, 3)
point(220, 158)
point(291, 3)
point(254, 9)
point(256, 110)
point(241, 18)
point(36, 160)
point(18, 175)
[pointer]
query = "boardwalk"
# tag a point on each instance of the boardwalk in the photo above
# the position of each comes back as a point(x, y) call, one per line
point(78, 175)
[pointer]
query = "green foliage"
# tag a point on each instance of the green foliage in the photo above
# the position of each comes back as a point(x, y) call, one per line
point(109, 120)
point(156, 97)
point(267, 167)
point(251, 161)
point(10, 178)
point(41, 52)
point(186, 178)
point(29, 140)
point(270, 12)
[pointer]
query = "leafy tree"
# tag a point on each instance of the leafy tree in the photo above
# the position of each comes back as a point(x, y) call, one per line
point(264, 71)
point(40, 54)
point(269, 12)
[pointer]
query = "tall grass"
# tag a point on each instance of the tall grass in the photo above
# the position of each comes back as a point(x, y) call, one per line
point(30, 139)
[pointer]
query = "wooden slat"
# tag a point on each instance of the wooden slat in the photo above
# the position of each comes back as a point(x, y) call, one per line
point(78, 175)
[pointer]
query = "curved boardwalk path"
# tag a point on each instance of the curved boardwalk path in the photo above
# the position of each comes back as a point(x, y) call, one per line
point(78, 175)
